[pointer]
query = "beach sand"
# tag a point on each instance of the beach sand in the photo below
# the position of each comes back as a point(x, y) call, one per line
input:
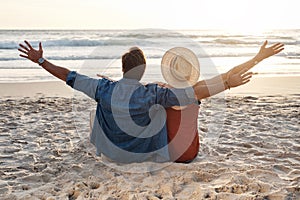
point(250, 148)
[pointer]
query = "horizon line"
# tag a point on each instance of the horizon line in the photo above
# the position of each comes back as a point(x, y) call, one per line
point(118, 29)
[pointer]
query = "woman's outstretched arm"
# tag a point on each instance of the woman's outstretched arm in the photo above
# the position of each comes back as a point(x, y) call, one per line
point(261, 55)
point(211, 87)
point(236, 76)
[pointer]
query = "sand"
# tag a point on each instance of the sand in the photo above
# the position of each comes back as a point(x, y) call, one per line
point(35, 89)
point(250, 149)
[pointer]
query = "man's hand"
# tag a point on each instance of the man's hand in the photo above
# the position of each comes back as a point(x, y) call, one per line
point(237, 79)
point(34, 55)
point(31, 53)
point(162, 84)
point(270, 51)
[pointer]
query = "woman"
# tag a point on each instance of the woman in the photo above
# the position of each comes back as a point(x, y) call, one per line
point(182, 123)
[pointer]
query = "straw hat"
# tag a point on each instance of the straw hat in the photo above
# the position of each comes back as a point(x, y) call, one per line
point(180, 67)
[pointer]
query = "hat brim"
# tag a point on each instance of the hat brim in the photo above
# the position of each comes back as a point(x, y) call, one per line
point(168, 71)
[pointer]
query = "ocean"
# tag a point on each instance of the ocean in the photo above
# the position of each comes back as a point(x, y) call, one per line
point(99, 51)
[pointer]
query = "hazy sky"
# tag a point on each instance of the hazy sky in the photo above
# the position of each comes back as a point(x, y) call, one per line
point(135, 14)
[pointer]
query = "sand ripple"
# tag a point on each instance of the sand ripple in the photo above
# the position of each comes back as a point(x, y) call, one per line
point(256, 155)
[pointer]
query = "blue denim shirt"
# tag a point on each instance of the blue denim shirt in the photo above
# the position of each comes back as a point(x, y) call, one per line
point(130, 118)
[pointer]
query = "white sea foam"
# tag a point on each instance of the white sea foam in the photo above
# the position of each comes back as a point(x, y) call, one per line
point(75, 46)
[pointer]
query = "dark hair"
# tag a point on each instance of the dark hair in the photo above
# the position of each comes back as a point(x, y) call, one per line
point(134, 58)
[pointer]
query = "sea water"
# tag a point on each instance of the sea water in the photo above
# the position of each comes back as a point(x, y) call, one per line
point(99, 51)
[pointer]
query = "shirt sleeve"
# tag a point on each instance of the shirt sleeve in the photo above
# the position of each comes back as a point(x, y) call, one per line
point(83, 83)
point(175, 97)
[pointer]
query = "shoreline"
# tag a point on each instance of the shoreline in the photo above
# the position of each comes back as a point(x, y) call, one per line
point(258, 86)
point(35, 89)
point(265, 86)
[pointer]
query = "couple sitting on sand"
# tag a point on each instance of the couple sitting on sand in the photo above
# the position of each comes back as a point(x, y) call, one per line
point(130, 123)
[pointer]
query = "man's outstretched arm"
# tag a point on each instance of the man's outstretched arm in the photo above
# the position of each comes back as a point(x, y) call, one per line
point(34, 55)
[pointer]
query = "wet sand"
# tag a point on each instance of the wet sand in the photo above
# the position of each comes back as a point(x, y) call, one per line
point(258, 86)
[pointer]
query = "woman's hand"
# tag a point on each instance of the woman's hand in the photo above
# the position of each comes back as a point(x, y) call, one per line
point(270, 51)
point(237, 79)
point(102, 76)
point(106, 77)
point(31, 53)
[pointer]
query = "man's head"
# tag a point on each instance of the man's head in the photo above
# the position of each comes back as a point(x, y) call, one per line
point(133, 63)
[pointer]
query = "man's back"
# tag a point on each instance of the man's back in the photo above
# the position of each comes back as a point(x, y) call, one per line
point(123, 114)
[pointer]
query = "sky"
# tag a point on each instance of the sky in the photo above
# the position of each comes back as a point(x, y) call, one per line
point(243, 15)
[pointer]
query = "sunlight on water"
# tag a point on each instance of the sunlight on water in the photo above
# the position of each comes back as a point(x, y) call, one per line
point(73, 48)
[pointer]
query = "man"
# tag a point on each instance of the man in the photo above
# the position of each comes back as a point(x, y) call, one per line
point(130, 125)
